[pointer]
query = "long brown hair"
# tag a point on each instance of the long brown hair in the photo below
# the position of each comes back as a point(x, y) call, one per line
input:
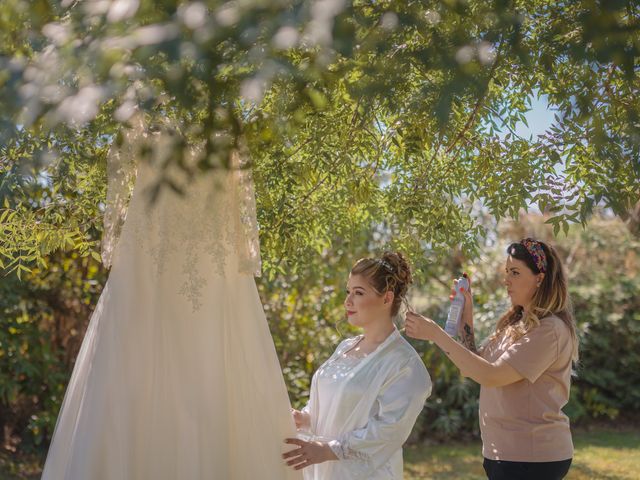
point(551, 298)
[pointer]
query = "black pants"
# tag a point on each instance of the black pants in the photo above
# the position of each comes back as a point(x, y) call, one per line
point(503, 470)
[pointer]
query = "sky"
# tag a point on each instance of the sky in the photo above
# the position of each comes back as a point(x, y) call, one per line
point(540, 118)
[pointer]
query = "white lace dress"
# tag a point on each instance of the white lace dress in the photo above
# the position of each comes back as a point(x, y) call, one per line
point(177, 377)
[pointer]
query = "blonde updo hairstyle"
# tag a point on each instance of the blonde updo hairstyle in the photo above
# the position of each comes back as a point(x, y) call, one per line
point(389, 272)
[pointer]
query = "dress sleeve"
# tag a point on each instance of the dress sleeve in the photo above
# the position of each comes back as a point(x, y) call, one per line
point(247, 233)
point(400, 401)
point(538, 350)
point(121, 174)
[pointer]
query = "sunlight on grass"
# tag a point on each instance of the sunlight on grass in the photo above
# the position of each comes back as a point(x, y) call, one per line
point(607, 455)
point(600, 455)
point(455, 461)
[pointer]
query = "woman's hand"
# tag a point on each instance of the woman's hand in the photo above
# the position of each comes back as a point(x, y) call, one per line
point(423, 328)
point(466, 332)
point(302, 419)
point(307, 453)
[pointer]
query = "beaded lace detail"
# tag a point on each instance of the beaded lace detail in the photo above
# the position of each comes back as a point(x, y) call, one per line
point(189, 225)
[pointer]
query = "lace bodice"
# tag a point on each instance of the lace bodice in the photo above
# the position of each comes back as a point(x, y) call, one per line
point(183, 221)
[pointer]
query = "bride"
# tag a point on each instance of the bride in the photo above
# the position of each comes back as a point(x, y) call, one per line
point(178, 349)
point(366, 397)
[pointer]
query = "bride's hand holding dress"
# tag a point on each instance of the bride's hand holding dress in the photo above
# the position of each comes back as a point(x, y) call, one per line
point(308, 453)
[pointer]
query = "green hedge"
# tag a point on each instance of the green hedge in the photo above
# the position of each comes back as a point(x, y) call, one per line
point(43, 317)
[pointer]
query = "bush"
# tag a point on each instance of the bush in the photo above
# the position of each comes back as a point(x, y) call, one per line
point(605, 288)
point(43, 318)
point(42, 323)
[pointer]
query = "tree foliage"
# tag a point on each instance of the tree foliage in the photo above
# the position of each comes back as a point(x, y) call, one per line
point(395, 116)
point(371, 125)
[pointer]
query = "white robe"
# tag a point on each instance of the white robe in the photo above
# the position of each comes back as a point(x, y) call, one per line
point(366, 409)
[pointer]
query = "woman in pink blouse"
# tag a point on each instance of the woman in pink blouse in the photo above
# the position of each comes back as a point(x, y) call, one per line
point(524, 368)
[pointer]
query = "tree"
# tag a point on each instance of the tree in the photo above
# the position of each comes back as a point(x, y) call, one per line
point(395, 116)
point(370, 125)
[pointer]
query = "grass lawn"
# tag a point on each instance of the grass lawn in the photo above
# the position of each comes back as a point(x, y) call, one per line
point(601, 454)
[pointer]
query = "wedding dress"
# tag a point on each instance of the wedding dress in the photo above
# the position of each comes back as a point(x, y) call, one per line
point(177, 377)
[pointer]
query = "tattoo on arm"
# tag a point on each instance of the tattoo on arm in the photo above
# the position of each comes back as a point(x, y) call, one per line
point(468, 339)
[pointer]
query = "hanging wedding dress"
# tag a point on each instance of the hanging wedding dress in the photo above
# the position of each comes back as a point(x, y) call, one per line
point(177, 377)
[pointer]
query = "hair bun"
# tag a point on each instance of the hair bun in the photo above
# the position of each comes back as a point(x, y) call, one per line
point(401, 272)
point(390, 272)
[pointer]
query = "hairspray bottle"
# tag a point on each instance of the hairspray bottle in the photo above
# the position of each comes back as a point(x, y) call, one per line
point(455, 311)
